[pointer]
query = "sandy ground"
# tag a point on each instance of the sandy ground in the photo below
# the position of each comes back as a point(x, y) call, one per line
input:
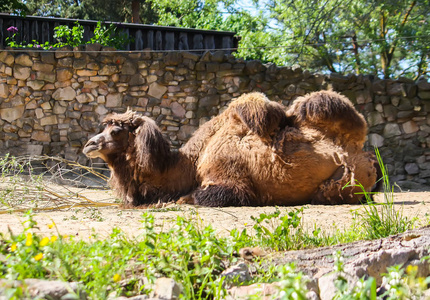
point(83, 222)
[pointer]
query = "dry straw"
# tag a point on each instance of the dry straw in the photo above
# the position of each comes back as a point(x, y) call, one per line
point(43, 183)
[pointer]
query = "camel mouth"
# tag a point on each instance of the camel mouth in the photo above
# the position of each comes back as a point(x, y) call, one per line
point(91, 151)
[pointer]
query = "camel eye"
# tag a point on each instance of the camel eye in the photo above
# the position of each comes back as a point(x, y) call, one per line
point(116, 131)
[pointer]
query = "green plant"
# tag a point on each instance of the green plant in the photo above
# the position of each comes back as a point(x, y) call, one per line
point(382, 219)
point(110, 36)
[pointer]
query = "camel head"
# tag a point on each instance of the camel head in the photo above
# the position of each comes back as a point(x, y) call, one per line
point(119, 131)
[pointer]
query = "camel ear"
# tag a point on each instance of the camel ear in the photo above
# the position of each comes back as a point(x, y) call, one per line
point(136, 122)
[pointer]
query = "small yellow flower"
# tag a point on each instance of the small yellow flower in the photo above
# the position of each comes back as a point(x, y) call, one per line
point(44, 242)
point(50, 226)
point(54, 238)
point(38, 257)
point(65, 237)
point(13, 247)
point(116, 278)
point(29, 240)
point(411, 269)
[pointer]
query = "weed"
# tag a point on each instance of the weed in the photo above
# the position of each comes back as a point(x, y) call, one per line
point(382, 219)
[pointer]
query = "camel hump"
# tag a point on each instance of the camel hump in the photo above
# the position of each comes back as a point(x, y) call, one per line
point(259, 114)
point(332, 113)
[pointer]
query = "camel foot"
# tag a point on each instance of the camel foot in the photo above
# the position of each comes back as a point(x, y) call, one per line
point(187, 199)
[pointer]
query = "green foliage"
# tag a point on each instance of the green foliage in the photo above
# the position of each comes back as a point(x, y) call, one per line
point(105, 35)
point(13, 6)
point(382, 219)
point(399, 283)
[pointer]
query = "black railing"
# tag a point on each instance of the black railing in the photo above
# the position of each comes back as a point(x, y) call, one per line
point(41, 29)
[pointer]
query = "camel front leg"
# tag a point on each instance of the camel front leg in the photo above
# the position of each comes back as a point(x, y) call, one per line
point(225, 193)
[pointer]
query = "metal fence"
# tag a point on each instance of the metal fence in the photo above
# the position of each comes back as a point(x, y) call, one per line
point(41, 29)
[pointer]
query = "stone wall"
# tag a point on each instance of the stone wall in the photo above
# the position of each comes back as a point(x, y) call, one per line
point(51, 102)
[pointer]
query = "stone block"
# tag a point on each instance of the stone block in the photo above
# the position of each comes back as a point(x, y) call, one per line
point(391, 129)
point(129, 68)
point(85, 98)
point(374, 118)
point(156, 90)
point(21, 72)
point(58, 109)
point(376, 140)
point(24, 60)
point(7, 58)
point(412, 168)
point(86, 72)
point(39, 66)
point(49, 120)
point(108, 70)
point(424, 95)
point(46, 76)
point(410, 127)
point(166, 288)
point(423, 85)
point(114, 100)
point(12, 114)
point(67, 93)
point(186, 131)
point(33, 150)
point(4, 90)
point(177, 109)
point(209, 101)
point(41, 136)
point(64, 74)
point(36, 85)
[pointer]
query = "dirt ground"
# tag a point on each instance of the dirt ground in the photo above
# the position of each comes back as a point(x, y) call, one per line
point(83, 222)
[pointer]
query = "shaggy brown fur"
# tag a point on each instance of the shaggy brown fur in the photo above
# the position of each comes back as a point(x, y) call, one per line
point(254, 153)
point(144, 169)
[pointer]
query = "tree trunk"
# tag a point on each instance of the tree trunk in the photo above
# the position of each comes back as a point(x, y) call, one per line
point(135, 11)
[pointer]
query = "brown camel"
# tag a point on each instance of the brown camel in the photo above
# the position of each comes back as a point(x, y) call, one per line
point(254, 153)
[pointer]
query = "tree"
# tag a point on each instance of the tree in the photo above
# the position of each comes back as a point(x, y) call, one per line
point(385, 38)
point(13, 6)
point(100, 10)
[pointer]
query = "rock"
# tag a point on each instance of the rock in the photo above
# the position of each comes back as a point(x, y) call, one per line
point(410, 127)
point(85, 98)
point(36, 85)
point(114, 100)
point(67, 93)
point(64, 74)
point(254, 66)
point(34, 150)
point(412, 168)
point(12, 114)
point(156, 90)
point(423, 85)
point(21, 72)
point(391, 129)
point(40, 136)
point(209, 101)
point(254, 291)
point(376, 140)
point(39, 66)
point(374, 118)
point(129, 68)
point(236, 275)
point(49, 120)
point(86, 72)
point(24, 60)
point(54, 290)
point(108, 70)
point(166, 289)
point(46, 76)
point(4, 90)
point(177, 109)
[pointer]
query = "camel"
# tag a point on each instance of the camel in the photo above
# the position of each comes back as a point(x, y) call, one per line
point(255, 153)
